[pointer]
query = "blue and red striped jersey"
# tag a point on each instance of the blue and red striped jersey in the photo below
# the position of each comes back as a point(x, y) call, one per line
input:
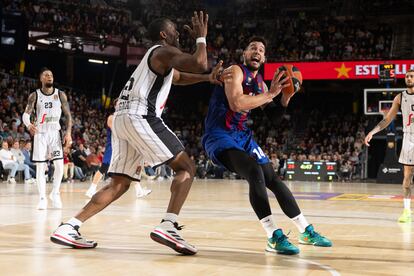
point(220, 116)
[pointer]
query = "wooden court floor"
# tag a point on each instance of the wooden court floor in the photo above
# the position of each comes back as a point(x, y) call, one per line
point(360, 218)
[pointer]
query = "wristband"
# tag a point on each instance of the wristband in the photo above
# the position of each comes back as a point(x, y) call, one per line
point(201, 40)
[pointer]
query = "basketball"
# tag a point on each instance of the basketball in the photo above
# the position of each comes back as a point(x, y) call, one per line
point(295, 78)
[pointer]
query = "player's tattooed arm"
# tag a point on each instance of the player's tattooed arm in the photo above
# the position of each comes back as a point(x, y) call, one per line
point(381, 125)
point(30, 103)
point(390, 115)
point(67, 140)
point(66, 111)
point(28, 111)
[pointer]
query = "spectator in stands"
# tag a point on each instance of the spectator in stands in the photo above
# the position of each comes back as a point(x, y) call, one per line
point(68, 166)
point(26, 150)
point(79, 159)
point(92, 161)
point(11, 163)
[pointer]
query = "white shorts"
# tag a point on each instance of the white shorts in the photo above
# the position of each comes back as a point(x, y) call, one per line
point(135, 139)
point(407, 149)
point(47, 146)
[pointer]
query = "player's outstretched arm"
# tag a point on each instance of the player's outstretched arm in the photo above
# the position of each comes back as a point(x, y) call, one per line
point(182, 78)
point(66, 111)
point(171, 57)
point(238, 101)
point(387, 119)
point(29, 110)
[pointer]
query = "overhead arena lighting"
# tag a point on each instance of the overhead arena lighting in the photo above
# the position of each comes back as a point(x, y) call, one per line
point(97, 61)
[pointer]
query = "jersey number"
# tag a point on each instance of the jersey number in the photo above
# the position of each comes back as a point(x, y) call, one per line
point(259, 153)
point(124, 97)
point(48, 105)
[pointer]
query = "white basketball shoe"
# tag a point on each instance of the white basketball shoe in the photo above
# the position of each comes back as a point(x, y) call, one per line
point(166, 234)
point(69, 235)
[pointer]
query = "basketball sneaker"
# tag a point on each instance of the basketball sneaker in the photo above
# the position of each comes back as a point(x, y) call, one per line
point(280, 244)
point(69, 235)
point(166, 234)
point(56, 200)
point(42, 205)
point(91, 191)
point(143, 192)
point(405, 216)
point(310, 236)
point(29, 181)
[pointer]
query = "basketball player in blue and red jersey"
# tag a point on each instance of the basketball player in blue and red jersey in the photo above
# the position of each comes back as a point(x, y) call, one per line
point(230, 143)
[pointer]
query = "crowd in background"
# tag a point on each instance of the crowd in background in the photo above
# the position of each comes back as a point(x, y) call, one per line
point(292, 36)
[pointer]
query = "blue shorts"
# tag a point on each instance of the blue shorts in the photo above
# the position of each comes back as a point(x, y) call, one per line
point(216, 142)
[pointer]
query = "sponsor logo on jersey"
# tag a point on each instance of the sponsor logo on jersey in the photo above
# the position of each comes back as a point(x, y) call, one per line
point(410, 119)
point(48, 119)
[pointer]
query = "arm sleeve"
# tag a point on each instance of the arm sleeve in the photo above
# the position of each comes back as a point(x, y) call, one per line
point(274, 112)
point(26, 119)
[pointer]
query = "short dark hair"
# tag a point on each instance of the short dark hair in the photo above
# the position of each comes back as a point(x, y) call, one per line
point(155, 27)
point(256, 39)
point(409, 71)
point(42, 70)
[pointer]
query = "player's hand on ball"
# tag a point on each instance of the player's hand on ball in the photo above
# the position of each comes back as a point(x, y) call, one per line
point(279, 82)
point(200, 24)
point(215, 75)
point(368, 138)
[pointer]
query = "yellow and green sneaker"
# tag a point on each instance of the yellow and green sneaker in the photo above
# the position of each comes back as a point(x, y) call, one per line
point(310, 236)
point(279, 243)
point(405, 216)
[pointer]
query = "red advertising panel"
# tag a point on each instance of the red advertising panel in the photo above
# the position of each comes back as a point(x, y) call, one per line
point(341, 70)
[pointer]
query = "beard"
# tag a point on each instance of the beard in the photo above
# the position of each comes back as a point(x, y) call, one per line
point(49, 84)
point(252, 68)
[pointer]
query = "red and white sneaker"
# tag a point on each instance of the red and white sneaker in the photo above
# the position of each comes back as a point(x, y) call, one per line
point(69, 235)
point(166, 234)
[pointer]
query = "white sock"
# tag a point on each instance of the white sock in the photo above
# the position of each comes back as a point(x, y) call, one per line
point(138, 188)
point(268, 225)
point(93, 185)
point(300, 222)
point(74, 222)
point(171, 217)
point(407, 203)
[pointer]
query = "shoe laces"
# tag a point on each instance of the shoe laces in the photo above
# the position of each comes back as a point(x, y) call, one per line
point(283, 240)
point(77, 230)
point(176, 226)
point(313, 234)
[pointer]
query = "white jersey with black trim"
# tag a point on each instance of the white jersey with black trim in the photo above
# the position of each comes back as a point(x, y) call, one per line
point(48, 110)
point(407, 111)
point(146, 92)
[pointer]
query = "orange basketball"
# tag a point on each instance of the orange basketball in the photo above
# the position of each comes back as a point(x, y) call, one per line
point(295, 78)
